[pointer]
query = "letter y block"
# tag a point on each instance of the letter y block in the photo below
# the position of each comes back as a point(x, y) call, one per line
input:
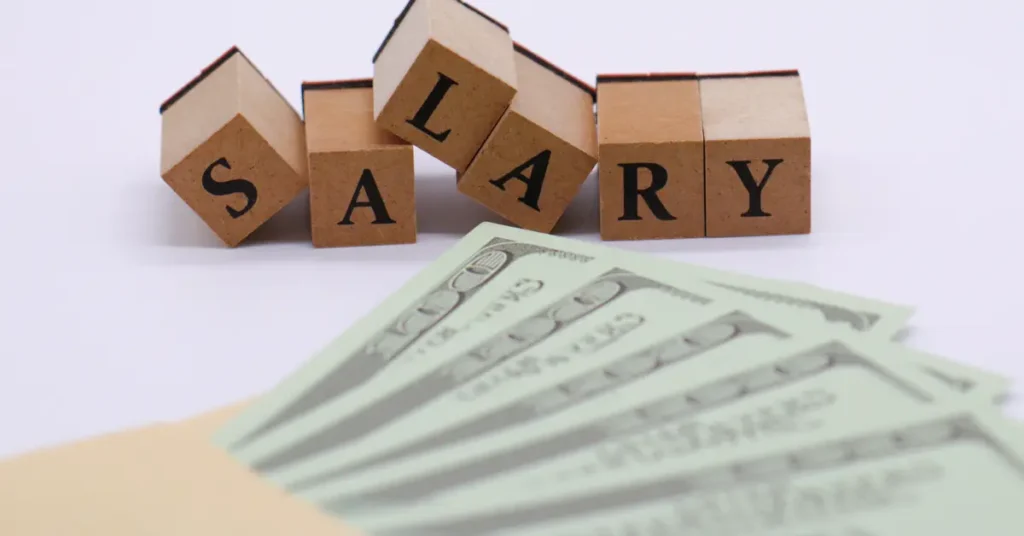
point(651, 165)
point(757, 152)
point(232, 147)
point(442, 78)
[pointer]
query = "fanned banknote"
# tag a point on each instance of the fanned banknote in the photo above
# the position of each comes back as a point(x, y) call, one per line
point(484, 284)
point(368, 425)
point(733, 397)
point(593, 319)
point(526, 369)
point(487, 278)
point(481, 285)
point(945, 471)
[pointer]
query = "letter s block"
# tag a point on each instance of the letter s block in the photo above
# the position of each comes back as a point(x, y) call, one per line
point(442, 78)
point(232, 147)
point(540, 152)
point(757, 153)
point(360, 176)
point(651, 160)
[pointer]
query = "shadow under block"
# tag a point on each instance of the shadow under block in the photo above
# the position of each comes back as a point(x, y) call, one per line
point(232, 147)
point(361, 177)
point(540, 152)
point(651, 164)
point(443, 77)
point(165, 479)
point(757, 153)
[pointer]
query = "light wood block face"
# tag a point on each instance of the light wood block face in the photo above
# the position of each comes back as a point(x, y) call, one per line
point(651, 165)
point(757, 154)
point(232, 147)
point(540, 152)
point(443, 78)
point(361, 177)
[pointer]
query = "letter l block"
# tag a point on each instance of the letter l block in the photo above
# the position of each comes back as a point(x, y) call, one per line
point(232, 147)
point(442, 78)
point(757, 154)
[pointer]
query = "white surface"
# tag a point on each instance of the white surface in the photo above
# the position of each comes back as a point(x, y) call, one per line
point(119, 307)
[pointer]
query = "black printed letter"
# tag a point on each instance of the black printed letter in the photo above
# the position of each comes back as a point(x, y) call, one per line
point(236, 186)
point(373, 200)
point(754, 189)
point(534, 182)
point(429, 106)
point(631, 192)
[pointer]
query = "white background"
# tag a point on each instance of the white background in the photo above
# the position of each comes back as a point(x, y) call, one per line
point(119, 307)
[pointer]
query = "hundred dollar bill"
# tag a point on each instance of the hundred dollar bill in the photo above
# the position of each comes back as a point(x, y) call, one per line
point(976, 383)
point(593, 320)
point(862, 315)
point(543, 391)
point(738, 396)
point(946, 472)
point(572, 361)
point(492, 276)
point(685, 345)
point(480, 285)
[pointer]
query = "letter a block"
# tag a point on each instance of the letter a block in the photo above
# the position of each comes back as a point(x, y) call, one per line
point(443, 77)
point(757, 153)
point(651, 164)
point(232, 147)
point(360, 175)
point(541, 150)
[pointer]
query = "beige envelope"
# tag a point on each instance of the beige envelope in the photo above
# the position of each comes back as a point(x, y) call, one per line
point(160, 480)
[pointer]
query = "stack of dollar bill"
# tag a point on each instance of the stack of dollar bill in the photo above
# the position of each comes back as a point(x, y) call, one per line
point(529, 384)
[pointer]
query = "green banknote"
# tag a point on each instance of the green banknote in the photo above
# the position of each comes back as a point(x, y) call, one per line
point(735, 397)
point(591, 323)
point(533, 387)
point(945, 472)
point(570, 363)
point(978, 384)
point(482, 286)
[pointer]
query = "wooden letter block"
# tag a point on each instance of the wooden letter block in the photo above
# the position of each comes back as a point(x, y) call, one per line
point(757, 153)
point(651, 164)
point(443, 77)
point(232, 147)
point(360, 175)
point(541, 151)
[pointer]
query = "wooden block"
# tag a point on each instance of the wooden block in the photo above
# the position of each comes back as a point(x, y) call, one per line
point(232, 147)
point(540, 152)
point(651, 165)
point(757, 154)
point(442, 78)
point(361, 177)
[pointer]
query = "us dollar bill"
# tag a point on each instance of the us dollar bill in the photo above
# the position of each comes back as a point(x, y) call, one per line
point(491, 277)
point(530, 380)
point(592, 321)
point(737, 397)
point(537, 398)
point(918, 475)
point(982, 385)
point(482, 284)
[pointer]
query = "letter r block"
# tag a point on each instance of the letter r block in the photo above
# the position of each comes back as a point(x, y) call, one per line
point(757, 154)
point(361, 189)
point(443, 77)
point(651, 163)
point(540, 152)
point(232, 147)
